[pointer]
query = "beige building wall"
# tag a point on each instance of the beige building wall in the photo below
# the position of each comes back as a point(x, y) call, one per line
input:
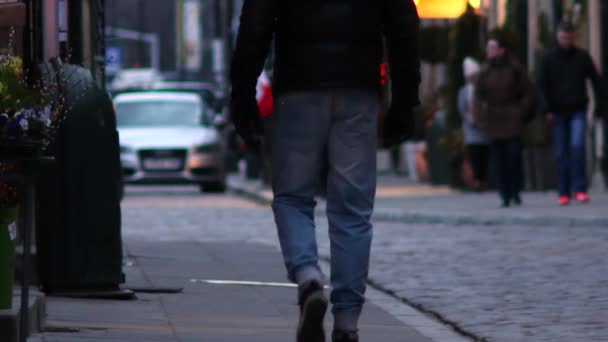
point(593, 41)
point(533, 29)
point(51, 49)
point(595, 32)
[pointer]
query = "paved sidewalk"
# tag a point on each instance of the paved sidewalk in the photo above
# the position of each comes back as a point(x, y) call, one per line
point(399, 200)
point(202, 312)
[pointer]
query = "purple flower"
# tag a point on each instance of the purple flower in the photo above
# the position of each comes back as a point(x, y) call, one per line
point(24, 123)
point(45, 116)
point(25, 114)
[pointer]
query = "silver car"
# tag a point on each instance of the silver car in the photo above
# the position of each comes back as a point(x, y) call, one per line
point(169, 137)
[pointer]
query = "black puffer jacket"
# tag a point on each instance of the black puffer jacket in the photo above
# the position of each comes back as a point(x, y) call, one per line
point(328, 44)
point(563, 81)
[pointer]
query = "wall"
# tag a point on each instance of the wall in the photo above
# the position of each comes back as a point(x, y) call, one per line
point(12, 20)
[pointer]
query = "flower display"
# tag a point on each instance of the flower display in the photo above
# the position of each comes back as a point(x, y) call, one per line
point(26, 117)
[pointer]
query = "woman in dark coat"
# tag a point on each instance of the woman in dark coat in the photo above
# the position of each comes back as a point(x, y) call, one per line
point(502, 105)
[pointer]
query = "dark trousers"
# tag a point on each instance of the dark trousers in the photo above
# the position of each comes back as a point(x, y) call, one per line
point(506, 156)
point(605, 154)
point(569, 131)
point(479, 156)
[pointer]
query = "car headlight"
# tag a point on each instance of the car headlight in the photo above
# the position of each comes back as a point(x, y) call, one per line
point(207, 148)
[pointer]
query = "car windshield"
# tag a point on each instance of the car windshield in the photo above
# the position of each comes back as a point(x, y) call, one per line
point(158, 113)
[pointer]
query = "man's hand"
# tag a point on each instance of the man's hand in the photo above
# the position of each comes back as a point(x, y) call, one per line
point(246, 119)
point(399, 125)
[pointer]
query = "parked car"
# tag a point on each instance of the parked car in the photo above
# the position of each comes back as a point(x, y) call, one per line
point(134, 79)
point(210, 92)
point(169, 137)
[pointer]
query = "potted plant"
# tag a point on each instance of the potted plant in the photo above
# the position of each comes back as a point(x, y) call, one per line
point(26, 128)
point(25, 121)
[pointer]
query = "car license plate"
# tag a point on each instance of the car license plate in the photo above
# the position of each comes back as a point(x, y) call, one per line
point(162, 164)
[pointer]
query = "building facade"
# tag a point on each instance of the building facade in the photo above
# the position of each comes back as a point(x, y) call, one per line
point(70, 29)
point(191, 36)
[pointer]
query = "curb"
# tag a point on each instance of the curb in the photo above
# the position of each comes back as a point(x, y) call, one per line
point(253, 194)
point(9, 319)
point(461, 220)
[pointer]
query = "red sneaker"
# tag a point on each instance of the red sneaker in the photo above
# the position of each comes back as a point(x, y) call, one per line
point(563, 200)
point(582, 197)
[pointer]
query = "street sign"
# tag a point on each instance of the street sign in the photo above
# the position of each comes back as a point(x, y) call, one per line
point(192, 35)
point(435, 9)
point(113, 58)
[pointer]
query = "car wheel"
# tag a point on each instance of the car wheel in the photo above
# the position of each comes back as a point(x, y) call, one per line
point(213, 187)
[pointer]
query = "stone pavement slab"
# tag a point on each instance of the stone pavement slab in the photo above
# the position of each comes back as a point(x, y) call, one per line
point(403, 201)
point(202, 312)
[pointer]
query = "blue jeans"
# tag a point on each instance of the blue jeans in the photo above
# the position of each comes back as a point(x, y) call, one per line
point(569, 146)
point(332, 133)
point(506, 156)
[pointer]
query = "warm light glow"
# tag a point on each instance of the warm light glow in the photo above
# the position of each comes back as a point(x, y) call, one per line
point(475, 3)
point(442, 8)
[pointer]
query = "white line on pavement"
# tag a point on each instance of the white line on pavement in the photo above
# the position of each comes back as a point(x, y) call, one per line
point(242, 283)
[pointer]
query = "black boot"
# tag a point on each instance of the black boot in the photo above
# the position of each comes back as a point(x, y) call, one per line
point(517, 200)
point(345, 336)
point(313, 305)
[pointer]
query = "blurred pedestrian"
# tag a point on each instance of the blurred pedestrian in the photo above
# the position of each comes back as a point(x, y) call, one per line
point(327, 84)
point(474, 139)
point(563, 77)
point(502, 105)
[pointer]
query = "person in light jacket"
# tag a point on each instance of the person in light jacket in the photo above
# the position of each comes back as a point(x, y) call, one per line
point(474, 139)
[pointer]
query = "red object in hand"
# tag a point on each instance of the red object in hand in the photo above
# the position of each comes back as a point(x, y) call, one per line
point(266, 102)
point(264, 96)
point(383, 74)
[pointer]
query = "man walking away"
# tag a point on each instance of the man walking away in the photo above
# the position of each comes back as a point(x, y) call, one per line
point(327, 81)
point(562, 81)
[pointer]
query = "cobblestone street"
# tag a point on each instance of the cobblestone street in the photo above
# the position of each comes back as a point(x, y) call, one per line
point(503, 283)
